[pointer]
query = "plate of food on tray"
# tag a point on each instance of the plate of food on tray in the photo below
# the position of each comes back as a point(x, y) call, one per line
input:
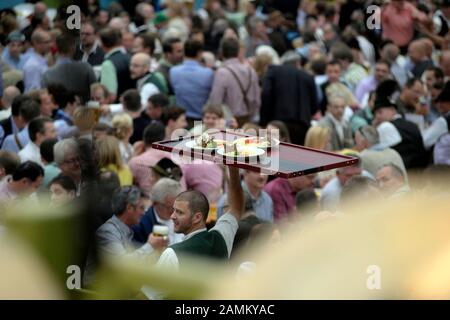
point(240, 152)
point(258, 142)
point(205, 142)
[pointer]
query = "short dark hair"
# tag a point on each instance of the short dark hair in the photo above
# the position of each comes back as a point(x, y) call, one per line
point(30, 170)
point(131, 100)
point(197, 202)
point(214, 109)
point(154, 132)
point(318, 66)
point(9, 161)
point(230, 48)
point(334, 62)
point(159, 100)
point(148, 40)
point(110, 37)
point(46, 150)
point(192, 48)
point(29, 109)
point(36, 126)
point(383, 61)
point(124, 196)
point(61, 95)
point(172, 113)
point(65, 182)
point(17, 103)
point(438, 73)
point(167, 44)
point(411, 82)
point(65, 43)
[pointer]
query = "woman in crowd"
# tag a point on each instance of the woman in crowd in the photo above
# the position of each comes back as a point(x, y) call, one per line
point(109, 158)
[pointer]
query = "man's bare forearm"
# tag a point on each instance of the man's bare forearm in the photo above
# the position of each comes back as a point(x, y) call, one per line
point(235, 193)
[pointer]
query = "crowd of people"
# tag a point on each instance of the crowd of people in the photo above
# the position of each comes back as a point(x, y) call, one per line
point(81, 108)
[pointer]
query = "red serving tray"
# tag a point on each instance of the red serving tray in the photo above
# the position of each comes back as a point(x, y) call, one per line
point(286, 160)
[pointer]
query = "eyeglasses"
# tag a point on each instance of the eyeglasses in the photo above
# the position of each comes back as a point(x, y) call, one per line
point(72, 161)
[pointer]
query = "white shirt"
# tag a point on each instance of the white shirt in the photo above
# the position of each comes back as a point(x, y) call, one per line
point(434, 132)
point(30, 152)
point(389, 135)
point(148, 90)
point(5, 114)
point(227, 226)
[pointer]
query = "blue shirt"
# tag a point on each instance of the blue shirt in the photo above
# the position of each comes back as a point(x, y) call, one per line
point(33, 70)
point(13, 62)
point(192, 84)
point(263, 205)
point(9, 144)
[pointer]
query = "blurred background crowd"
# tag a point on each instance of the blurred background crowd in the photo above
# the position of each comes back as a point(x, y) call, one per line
point(80, 108)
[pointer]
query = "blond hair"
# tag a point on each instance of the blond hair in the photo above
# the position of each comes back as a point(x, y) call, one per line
point(317, 137)
point(85, 118)
point(122, 124)
point(108, 152)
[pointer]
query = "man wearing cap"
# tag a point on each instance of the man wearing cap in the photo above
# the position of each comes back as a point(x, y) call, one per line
point(399, 134)
point(437, 132)
point(12, 54)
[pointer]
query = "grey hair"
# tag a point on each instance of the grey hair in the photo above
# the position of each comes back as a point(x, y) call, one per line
point(62, 147)
point(396, 170)
point(370, 134)
point(291, 57)
point(123, 196)
point(165, 187)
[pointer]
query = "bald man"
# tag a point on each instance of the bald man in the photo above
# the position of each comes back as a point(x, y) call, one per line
point(148, 83)
point(36, 64)
point(8, 96)
point(417, 52)
point(391, 53)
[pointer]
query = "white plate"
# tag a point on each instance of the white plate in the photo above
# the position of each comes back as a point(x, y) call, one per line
point(192, 144)
point(257, 153)
point(274, 143)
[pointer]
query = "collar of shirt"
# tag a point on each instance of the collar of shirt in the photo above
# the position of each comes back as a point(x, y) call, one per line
point(245, 188)
point(13, 126)
point(63, 60)
point(193, 233)
point(38, 57)
point(122, 227)
point(164, 62)
point(232, 61)
point(93, 49)
point(141, 80)
point(116, 49)
point(192, 63)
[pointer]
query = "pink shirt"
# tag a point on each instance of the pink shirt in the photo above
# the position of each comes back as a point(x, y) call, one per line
point(140, 167)
point(283, 197)
point(398, 25)
point(203, 176)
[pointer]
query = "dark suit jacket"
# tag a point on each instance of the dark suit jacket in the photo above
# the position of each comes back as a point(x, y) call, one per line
point(7, 128)
point(95, 58)
point(145, 226)
point(288, 95)
point(76, 76)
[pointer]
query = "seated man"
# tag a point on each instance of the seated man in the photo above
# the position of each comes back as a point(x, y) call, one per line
point(392, 181)
point(372, 154)
point(39, 129)
point(331, 193)
point(260, 202)
point(163, 195)
point(25, 180)
point(283, 193)
point(115, 236)
point(341, 133)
